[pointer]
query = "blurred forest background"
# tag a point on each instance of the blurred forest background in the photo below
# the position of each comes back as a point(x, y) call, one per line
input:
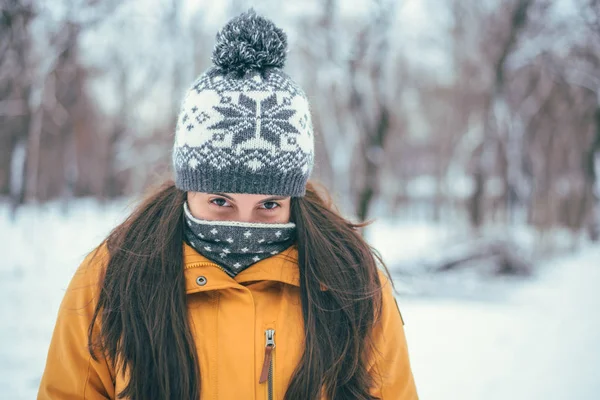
point(474, 113)
point(468, 129)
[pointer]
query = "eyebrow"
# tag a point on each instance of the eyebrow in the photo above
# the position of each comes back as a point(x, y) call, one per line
point(262, 201)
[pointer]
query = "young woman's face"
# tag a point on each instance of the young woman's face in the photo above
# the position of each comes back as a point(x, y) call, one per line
point(239, 207)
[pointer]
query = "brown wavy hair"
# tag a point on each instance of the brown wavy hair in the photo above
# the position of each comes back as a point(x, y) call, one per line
point(142, 312)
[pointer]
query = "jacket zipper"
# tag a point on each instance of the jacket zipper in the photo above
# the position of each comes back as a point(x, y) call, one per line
point(194, 265)
point(266, 374)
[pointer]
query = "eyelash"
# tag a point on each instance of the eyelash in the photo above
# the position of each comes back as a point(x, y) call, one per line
point(212, 201)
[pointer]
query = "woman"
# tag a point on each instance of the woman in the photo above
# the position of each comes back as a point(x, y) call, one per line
point(237, 280)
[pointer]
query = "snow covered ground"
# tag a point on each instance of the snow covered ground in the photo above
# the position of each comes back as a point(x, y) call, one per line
point(537, 338)
point(542, 342)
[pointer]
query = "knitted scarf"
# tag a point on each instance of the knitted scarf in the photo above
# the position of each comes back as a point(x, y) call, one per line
point(236, 245)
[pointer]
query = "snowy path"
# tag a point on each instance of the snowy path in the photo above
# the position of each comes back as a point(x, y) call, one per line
point(543, 343)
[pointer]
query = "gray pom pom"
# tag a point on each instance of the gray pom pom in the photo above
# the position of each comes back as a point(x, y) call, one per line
point(249, 42)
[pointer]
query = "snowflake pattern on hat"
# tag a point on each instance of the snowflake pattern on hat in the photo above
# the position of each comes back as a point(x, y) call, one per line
point(244, 125)
point(265, 129)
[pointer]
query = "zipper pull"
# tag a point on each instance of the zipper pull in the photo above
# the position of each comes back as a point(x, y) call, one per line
point(270, 345)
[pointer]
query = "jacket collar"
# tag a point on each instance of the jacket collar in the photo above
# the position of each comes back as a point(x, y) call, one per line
point(282, 267)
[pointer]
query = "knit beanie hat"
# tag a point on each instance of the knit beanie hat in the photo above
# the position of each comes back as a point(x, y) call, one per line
point(244, 125)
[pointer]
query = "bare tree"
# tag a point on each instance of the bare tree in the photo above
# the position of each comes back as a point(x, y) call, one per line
point(374, 128)
point(352, 90)
point(15, 87)
point(495, 104)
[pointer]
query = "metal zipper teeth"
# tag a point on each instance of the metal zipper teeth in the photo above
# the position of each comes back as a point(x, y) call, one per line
point(270, 380)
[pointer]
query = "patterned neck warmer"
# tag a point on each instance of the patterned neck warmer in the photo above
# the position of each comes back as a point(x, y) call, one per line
point(236, 245)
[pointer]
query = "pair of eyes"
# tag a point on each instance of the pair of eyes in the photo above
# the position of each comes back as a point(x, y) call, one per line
point(267, 205)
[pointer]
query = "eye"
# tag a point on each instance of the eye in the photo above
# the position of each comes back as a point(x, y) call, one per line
point(220, 202)
point(270, 205)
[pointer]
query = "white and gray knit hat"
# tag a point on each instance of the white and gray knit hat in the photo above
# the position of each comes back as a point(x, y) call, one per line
point(245, 125)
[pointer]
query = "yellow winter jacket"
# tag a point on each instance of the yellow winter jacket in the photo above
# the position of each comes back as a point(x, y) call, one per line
point(231, 319)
